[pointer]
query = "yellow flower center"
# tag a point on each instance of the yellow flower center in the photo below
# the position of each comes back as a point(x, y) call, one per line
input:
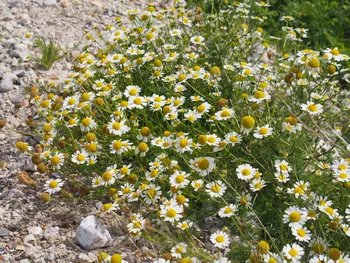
point(334, 253)
point(143, 147)
point(117, 145)
point(107, 176)
point(47, 127)
point(72, 122)
point(71, 101)
point(124, 170)
point(225, 113)
point(247, 72)
point(181, 199)
point(329, 210)
point(132, 92)
point(342, 167)
point(137, 224)
point(314, 63)
point(298, 190)
point(85, 96)
point(246, 172)
point(124, 103)
point(318, 248)
point(220, 239)
point(263, 131)
point(227, 210)
point(55, 160)
point(215, 188)
point(180, 178)
point(248, 122)
point(81, 157)
point(203, 164)
point(294, 217)
point(171, 213)
point(293, 252)
point(343, 175)
point(179, 250)
point(283, 167)
point(92, 147)
point(211, 139)
point(177, 102)
point(263, 247)
point(138, 101)
point(151, 193)
point(53, 184)
point(149, 36)
point(201, 108)
point(106, 207)
point(301, 232)
point(259, 95)
point(45, 103)
point(335, 52)
point(258, 185)
point(233, 139)
point(116, 126)
point(116, 258)
point(312, 107)
point(126, 190)
point(154, 173)
point(183, 143)
point(86, 122)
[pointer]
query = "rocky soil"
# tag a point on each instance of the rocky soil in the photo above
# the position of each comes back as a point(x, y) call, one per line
point(30, 230)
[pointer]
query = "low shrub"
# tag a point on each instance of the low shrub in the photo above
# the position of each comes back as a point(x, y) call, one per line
point(215, 146)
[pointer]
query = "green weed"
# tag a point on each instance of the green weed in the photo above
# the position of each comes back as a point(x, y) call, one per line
point(49, 52)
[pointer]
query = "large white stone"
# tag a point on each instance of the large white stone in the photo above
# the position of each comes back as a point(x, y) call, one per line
point(35, 230)
point(92, 234)
point(6, 85)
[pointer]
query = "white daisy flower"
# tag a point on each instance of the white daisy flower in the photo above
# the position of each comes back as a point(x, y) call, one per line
point(245, 172)
point(88, 124)
point(312, 108)
point(220, 239)
point(216, 189)
point(257, 184)
point(263, 131)
point(295, 216)
point(293, 252)
point(57, 160)
point(171, 213)
point(80, 157)
point(233, 138)
point(259, 96)
point(197, 184)
point(109, 208)
point(228, 211)
point(53, 186)
point(203, 165)
point(301, 233)
point(132, 91)
point(179, 179)
point(108, 178)
point(178, 250)
point(118, 127)
point(96, 181)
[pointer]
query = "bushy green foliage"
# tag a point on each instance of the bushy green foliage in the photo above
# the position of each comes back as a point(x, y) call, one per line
point(212, 144)
point(49, 52)
point(328, 21)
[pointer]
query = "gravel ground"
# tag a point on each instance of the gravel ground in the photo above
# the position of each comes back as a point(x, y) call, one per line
point(30, 230)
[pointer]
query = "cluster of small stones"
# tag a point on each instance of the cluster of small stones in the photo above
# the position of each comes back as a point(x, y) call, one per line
point(30, 230)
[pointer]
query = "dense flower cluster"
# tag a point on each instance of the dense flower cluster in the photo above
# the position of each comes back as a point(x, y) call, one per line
point(176, 119)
